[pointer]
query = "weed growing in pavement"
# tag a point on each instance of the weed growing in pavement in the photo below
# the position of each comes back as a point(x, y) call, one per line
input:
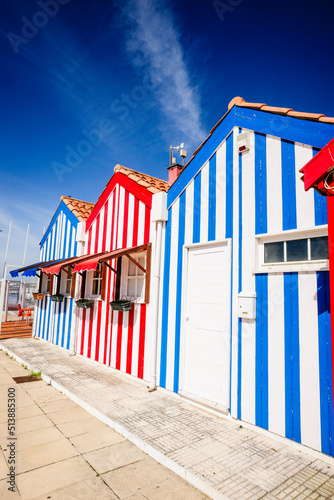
point(24, 366)
point(35, 374)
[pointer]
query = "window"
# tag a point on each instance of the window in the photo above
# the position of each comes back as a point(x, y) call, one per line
point(46, 283)
point(292, 251)
point(134, 280)
point(299, 250)
point(97, 280)
point(66, 281)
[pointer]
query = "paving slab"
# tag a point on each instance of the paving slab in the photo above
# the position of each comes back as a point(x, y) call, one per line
point(217, 455)
point(89, 441)
point(90, 489)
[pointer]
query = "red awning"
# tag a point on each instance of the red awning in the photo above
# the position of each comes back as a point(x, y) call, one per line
point(55, 268)
point(90, 262)
point(318, 166)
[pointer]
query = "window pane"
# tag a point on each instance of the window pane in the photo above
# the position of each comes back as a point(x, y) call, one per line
point(273, 252)
point(132, 269)
point(140, 287)
point(296, 250)
point(319, 248)
point(68, 285)
point(141, 261)
point(131, 288)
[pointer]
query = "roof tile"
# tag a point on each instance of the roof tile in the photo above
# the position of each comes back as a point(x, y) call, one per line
point(153, 184)
point(81, 209)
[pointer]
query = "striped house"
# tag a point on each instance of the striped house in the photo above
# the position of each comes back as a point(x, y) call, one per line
point(53, 320)
point(245, 320)
point(120, 240)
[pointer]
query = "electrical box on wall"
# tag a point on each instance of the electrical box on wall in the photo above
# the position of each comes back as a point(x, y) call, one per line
point(243, 142)
point(247, 305)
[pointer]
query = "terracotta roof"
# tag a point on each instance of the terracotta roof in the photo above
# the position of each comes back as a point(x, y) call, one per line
point(152, 184)
point(81, 209)
point(239, 101)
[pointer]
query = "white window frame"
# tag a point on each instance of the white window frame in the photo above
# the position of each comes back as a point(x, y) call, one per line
point(298, 234)
point(64, 278)
point(89, 283)
point(125, 277)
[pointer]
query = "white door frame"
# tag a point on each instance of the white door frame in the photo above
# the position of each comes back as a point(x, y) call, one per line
point(210, 244)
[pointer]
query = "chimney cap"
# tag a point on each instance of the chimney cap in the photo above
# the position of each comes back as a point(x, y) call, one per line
point(174, 165)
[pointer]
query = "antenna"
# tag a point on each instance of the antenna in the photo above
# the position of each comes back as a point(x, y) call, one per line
point(179, 149)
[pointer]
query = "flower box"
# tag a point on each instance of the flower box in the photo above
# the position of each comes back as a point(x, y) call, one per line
point(38, 296)
point(121, 305)
point(85, 303)
point(57, 298)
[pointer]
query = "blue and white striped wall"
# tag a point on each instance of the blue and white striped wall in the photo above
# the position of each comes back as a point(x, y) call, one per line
point(280, 363)
point(53, 319)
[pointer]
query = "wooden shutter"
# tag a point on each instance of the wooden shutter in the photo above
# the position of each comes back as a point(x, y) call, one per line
point(51, 284)
point(73, 281)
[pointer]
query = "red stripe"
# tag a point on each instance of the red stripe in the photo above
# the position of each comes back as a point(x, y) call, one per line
point(147, 225)
point(125, 219)
point(135, 223)
point(97, 233)
point(119, 340)
point(83, 324)
point(98, 330)
point(116, 235)
point(90, 331)
point(130, 341)
point(107, 318)
point(141, 349)
point(105, 225)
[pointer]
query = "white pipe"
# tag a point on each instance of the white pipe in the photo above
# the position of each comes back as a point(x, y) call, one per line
point(155, 307)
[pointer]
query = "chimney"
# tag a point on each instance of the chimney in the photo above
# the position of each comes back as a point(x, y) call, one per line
point(173, 172)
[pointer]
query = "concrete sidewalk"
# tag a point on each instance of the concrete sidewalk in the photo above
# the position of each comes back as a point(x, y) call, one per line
point(61, 452)
point(217, 455)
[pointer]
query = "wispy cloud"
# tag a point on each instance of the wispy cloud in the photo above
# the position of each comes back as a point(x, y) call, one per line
point(153, 42)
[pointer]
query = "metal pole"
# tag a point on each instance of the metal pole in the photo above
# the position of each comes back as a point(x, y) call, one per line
point(25, 248)
point(5, 262)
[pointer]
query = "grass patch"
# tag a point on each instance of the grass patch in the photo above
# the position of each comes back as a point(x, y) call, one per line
point(35, 374)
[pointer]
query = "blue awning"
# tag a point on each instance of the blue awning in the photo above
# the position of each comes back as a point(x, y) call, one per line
point(31, 270)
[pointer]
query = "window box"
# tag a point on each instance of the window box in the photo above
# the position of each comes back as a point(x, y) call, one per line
point(85, 303)
point(38, 296)
point(121, 305)
point(57, 297)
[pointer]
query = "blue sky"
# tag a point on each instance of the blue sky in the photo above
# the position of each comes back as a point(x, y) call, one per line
point(86, 85)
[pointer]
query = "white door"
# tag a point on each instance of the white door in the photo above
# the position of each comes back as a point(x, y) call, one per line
point(206, 334)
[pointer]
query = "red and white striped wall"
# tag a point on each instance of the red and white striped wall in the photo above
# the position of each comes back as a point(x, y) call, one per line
point(120, 219)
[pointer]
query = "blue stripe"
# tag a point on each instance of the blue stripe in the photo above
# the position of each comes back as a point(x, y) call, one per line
point(40, 310)
point(291, 129)
point(292, 370)
point(320, 204)
point(261, 351)
point(212, 198)
point(229, 187)
point(197, 208)
point(69, 325)
point(182, 216)
point(288, 186)
point(260, 184)
point(44, 319)
point(165, 302)
point(325, 364)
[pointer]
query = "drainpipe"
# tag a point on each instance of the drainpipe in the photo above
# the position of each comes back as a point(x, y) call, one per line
point(80, 238)
point(159, 216)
